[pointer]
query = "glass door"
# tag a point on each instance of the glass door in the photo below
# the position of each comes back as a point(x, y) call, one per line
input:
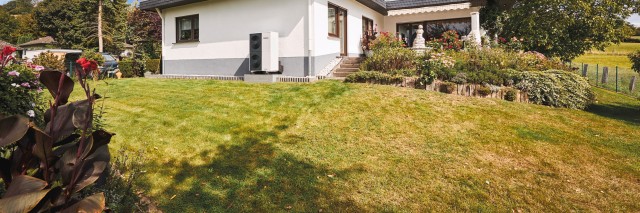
point(342, 16)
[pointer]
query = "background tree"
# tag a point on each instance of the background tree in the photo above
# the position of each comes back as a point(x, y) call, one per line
point(560, 28)
point(27, 29)
point(19, 7)
point(66, 20)
point(145, 32)
point(7, 24)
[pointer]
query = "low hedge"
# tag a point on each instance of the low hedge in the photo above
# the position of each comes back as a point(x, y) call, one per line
point(126, 68)
point(556, 88)
point(374, 78)
point(153, 65)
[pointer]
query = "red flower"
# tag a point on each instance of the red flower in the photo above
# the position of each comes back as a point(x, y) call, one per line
point(87, 65)
point(7, 51)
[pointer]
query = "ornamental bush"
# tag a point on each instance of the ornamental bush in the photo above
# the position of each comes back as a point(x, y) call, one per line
point(20, 92)
point(510, 94)
point(374, 77)
point(50, 61)
point(483, 90)
point(448, 87)
point(556, 88)
point(390, 59)
point(152, 65)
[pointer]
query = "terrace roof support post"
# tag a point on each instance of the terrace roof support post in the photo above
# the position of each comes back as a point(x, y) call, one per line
point(475, 27)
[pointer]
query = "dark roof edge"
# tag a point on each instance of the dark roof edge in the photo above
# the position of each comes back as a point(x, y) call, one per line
point(380, 6)
point(377, 5)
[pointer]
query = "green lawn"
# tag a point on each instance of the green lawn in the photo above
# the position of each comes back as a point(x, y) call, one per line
point(215, 146)
point(615, 55)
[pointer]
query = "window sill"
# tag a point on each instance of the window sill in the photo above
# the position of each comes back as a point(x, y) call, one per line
point(187, 41)
point(333, 38)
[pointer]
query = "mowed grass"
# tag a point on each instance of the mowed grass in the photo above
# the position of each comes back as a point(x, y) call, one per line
point(612, 56)
point(215, 146)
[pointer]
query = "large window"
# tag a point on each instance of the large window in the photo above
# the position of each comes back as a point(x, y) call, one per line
point(337, 17)
point(188, 28)
point(433, 29)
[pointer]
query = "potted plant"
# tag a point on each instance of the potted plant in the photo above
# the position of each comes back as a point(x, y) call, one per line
point(367, 39)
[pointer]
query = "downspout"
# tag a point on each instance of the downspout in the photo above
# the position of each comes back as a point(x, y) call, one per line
point(163, 37)
point(311, 38)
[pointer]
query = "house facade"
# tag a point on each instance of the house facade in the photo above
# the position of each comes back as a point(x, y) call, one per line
point(211, 37)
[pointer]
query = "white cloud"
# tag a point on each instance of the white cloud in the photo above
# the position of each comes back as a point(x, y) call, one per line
point(634, 19)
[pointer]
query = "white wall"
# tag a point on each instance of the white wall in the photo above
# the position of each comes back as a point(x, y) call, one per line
point(325, 45)
point(225, 26)
point(392, 21)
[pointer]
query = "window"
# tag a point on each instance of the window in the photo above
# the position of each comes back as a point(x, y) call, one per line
point(367, 26)
point(187, 28)
point(337, 18)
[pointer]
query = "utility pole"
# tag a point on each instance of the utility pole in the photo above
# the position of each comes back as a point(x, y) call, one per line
point(100, 41)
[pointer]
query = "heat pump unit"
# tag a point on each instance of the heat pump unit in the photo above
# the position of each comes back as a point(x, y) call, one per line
point(264, 52)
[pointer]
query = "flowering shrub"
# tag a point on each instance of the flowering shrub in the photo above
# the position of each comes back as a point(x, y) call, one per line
point(513, 44)
point(451, 40)
point(374, 77)
point(390, 59)
point(19, 88)
point(385, 40)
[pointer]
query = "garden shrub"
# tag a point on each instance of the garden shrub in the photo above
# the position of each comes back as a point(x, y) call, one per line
point(20, 92)
point(152, 65)
point(374, 77)
point(94, 56)
point(126, 68)
point(390, 59)
point(451, 40)
point(385, 40)
point(448, 87)
point(483, 90)
point(510, 94)
point(556, 88)
point(50, 61)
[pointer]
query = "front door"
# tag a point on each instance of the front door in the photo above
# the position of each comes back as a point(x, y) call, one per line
point(342, 16)
point(338, 26)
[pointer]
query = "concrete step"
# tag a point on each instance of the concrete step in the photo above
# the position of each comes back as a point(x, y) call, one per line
point(342, 74)
point(349, 65)
point(352, 61)
point(347, 70)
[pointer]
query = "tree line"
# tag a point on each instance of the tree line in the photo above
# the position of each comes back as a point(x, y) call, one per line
point(74, 24)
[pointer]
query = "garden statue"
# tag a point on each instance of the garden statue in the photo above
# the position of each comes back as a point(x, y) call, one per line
point(419, 43)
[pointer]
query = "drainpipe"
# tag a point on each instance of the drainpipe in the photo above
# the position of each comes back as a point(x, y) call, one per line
point(311, 37)
point(163, 37)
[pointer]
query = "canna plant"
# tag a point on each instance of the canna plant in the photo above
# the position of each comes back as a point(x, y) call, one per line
point(46, 169)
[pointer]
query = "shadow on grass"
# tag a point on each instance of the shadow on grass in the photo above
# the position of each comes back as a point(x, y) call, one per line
point(628, 113)
point(252, 176)
point(250, 173)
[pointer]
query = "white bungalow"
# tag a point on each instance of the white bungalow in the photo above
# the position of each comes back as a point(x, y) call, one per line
point(211, 37)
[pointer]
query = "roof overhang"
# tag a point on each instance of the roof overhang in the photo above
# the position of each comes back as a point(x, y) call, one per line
point(163, 4)
point(430, 9)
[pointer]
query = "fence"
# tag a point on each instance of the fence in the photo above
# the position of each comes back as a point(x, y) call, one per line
point(619, 79)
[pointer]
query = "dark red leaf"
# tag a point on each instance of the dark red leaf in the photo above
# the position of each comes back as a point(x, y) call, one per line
point(13, 129)
point(92, 204)
point(43, 147)
point(51, 79)
point(23, 202)
point(24, 184)
point(63, 123)
point(93, 167)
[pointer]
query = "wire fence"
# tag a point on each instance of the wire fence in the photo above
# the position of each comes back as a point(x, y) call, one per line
point(618, 79)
